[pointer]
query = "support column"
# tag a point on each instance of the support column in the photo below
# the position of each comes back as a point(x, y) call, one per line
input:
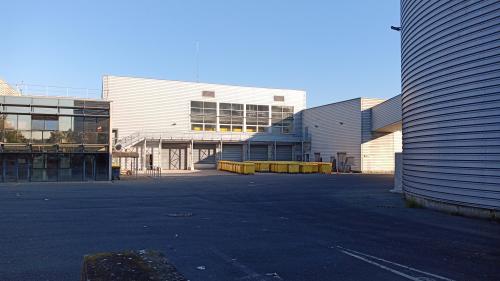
point(159, 154)
point(144, 156)
point(221, 151)
point(302, 151)
point(274, 151)
point(191, 156)
point(249, 151)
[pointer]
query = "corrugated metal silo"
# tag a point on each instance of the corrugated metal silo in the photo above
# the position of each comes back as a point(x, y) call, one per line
point(450, 66)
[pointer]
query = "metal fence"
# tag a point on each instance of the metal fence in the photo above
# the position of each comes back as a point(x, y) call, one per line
point(23, 89)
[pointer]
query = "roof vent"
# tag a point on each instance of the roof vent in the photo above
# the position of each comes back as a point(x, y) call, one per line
point(208, 94)
point(279, 98)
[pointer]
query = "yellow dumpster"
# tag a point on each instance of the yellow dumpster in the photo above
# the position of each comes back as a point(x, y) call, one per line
point(293, 168)
point(308, 168)
point(325, 168)
point(279, 167)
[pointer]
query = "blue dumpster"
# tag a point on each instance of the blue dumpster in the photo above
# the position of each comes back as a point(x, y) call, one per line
point(115, 172)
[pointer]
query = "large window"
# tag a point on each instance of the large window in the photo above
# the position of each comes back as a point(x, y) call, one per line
point(257, 118)
point(231, 117)
point(203, 116)
point(282, 119)
point(44, 129)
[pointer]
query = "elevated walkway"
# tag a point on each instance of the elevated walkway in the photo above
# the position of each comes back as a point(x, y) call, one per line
point(386, 116)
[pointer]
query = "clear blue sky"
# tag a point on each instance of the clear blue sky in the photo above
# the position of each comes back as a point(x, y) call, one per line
point(335, 50)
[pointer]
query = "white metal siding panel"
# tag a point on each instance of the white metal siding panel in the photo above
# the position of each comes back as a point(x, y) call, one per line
point(386, 114)
point(150, 105)
point(451, 101)
point(377, 149)
point(335, 128)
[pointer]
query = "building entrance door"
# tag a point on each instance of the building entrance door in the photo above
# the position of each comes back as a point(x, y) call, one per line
point(17, 168)
point(89, 168)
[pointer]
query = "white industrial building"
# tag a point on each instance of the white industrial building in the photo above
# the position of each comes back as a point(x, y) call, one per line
point(186, 125)
point(179, 125)
point(361, 134)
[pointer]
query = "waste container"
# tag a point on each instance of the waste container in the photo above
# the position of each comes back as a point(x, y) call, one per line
point(115, 172)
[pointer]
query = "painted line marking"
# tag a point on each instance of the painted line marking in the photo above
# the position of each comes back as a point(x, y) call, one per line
point(364, 257)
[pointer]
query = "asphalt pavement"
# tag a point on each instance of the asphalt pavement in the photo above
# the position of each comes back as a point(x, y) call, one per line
point(262, 227)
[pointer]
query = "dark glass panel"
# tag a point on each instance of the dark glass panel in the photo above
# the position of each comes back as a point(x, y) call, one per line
point(198, 104)
point(90, 124)
point(263, 108)
point(51, 137)
point(196, 111)
point(51, 125)
point(10, 121)
point(212, 105)
point(90, 137)
point(251, 107)
point(102, 166)
point(37, 124)
point(97, 104)
point(102, 125)
point(225, 120)
point(78, 124)
point(96, 112)
point(224, 106)
point(225, 112)
point(89, 165)
point(65, 123)
point(39, 161)
point(209, 127)
point(211, 112)
point(237, 120)
point(102, 138)
point(262, 129)
point(77, 167)
point(210, 119)
point(237, 106)
point(197, 118)
point(24, 122)
point(36, 136)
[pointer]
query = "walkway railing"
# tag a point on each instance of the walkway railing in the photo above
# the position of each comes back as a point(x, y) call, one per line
point(49, 91)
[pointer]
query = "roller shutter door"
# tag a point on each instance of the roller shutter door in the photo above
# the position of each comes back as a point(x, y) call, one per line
point(174, 156)
point(232, 152)
point(284, 152)
point(258, 152)
point(204, 156)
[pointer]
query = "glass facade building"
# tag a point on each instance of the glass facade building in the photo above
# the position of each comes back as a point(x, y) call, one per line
point(54, 139)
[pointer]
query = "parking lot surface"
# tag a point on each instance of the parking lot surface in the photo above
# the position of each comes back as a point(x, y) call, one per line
point(262, 227)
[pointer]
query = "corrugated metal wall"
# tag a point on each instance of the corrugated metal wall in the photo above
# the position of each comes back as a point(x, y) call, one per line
point(451, 101)
point(284, 152)
point(335, 128)
point(259, 152)
point(232, 152)
point(377, 148)
point(386, 116)
point(141, 104)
